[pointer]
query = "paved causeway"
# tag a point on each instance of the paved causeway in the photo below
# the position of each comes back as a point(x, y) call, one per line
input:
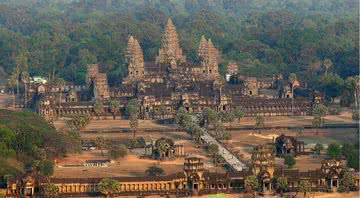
point(232, 160)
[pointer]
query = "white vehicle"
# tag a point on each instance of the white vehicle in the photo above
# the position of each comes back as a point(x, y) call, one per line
point(38, 79)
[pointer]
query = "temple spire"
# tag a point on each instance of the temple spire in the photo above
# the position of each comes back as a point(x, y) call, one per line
point(202, 46)
point(135, 59)
point(209, 56)
point(170, 51)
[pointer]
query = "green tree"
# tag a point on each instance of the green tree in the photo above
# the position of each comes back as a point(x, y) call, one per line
point(11, 83)
point(108, 186)
point(332, 85)
point(353, 83)
point(353, 159)
point(114, 106)
point(346, 148)
point(154, 171)
point(21, 63)
point(98, 108)
point(196, 133)
point(134, 124)
point(355, 115)
point(77, 122)
point(239, 112)
point(132, 108)
point(179, 118)
point(289, 160)
point(100, 144)
point(333, 150)
point(259, 123)
point(347, 180)
point(318, 148)
point(7, 138)
point(292, 79)
point(118, 151)
point(25, 78)
point(282, 184)
point(213, 149)
point(251, 184)
point(327, 64)
point(317, 122)
point(51, 190)
point(304, 186)
point(320, 110)
point(46, 168)
point(210, 116)
point(162, 111)
point(219, 130)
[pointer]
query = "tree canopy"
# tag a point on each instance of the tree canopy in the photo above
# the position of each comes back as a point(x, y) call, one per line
point(58, 38)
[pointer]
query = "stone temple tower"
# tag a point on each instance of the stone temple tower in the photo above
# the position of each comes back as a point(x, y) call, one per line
point(135, 59)
point(170, 52)
point(97, 82)
point(209, 57)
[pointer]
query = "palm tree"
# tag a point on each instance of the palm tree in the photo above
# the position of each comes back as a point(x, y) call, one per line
point(12, 83)
point(134, 124)
point(114, 107)
point(61, 84)
point(100, 143)
point(162, 111)
point(327, 64)
point(259, 123)
point(292, 79)
point(353, 81)
point(25, 80)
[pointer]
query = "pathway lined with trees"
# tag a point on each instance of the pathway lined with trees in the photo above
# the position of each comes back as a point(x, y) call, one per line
point(231, 159)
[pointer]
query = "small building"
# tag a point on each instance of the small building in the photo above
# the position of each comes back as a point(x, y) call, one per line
point(164, 149)
point(98, 163)
point(288, 145)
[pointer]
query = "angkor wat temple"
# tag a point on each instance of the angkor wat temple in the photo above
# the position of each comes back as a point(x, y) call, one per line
point(170, 82)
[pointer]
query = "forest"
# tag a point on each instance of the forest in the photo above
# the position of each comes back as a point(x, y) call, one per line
point(57, 38)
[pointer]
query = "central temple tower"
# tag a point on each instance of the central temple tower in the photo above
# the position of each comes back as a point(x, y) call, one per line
point(170, 52)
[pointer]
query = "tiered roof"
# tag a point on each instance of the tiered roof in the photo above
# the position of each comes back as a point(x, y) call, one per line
point(170, 50)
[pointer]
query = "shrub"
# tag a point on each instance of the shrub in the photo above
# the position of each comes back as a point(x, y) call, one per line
point(289, 160)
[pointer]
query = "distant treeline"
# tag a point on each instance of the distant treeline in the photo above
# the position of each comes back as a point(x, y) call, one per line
point(58, 38)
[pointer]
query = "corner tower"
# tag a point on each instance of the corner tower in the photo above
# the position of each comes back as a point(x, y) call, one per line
point(170, 52)
point(135, 59)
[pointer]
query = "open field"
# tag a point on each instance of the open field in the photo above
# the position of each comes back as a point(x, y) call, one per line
point(131, 165)
point(286, 121)
point(278, 121)
point(243, 141)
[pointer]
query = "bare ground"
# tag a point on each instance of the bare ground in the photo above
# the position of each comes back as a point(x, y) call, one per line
point(131, 165)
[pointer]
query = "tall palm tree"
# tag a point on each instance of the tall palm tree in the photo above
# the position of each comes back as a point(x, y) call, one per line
point(292, 79)
point(25, 80)
point(12, 83)
point(61, 84)
point(327, 64)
